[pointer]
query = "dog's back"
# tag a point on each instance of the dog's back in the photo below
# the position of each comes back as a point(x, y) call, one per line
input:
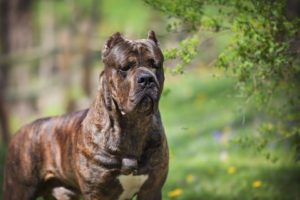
point(27, 163)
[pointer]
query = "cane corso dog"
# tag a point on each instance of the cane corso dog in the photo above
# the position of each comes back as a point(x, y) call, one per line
point(115, 150)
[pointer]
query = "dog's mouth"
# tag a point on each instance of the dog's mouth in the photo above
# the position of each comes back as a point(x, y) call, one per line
point(145, 105)
point(144, 101)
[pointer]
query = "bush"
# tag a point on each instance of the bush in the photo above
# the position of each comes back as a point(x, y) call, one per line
point(263, 56)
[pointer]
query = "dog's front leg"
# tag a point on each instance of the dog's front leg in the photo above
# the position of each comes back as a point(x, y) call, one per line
point(95, 197)
point(18, 192)
point(97, 192)
point(150, 195)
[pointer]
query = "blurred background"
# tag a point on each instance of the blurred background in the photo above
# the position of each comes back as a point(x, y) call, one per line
point(50, 61)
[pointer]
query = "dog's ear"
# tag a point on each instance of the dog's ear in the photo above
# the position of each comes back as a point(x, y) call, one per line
point(111, 42)
point(151, 36)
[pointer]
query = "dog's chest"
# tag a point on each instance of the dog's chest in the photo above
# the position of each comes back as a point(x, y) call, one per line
point(131, 185)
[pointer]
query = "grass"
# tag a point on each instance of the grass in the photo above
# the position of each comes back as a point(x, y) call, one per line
point(202, 115)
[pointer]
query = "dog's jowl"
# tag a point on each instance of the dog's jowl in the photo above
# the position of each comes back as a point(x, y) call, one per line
point(114, 150)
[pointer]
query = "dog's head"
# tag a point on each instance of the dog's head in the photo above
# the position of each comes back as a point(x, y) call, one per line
point(133, 73)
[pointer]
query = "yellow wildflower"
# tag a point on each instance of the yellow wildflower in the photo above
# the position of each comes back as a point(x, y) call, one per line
point(231, 170)
point(227, 130)
point(257, 184)
point(190, 178)
point(175, 193)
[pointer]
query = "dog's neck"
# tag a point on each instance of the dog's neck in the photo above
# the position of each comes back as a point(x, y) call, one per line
point(123, 133)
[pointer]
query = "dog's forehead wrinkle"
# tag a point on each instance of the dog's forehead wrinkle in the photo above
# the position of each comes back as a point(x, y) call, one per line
point(136, 58)
point(139, 44)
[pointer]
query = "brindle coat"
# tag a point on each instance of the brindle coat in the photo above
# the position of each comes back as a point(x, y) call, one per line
point(84, 153)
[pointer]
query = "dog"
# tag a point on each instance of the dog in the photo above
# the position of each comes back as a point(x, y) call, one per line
point(115, 150)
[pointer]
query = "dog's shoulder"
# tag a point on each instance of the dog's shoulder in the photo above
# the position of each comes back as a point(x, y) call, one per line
point(47, 124)
point(73, 117)
point(76, 117)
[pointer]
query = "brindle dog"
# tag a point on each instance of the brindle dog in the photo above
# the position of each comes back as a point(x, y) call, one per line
point(114, 150)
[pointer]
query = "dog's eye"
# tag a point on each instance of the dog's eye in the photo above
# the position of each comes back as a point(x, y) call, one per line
point(153, 64)
point(126, 67)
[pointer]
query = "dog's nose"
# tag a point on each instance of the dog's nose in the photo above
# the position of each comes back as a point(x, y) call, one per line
point(145, 79)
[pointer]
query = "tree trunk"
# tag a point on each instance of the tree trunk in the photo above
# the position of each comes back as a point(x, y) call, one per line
point(4, 49)
point(87, 33)
point(15, 35)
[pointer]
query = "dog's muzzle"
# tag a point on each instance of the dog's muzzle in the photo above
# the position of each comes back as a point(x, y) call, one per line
point(148, 90)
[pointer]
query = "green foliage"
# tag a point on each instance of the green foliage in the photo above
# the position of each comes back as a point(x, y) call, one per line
point(263, 55)
point(185, 53)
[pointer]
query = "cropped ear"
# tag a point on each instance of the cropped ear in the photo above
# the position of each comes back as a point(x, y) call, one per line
point(111, 42)
point(151, 36)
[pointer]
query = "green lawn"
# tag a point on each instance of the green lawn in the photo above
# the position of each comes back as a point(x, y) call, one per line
point(202, 115)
